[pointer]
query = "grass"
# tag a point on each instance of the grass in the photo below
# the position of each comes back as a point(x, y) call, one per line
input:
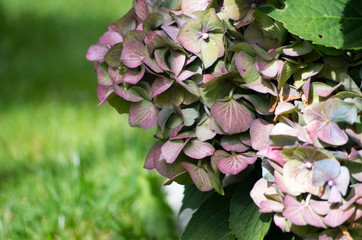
point(67, 169)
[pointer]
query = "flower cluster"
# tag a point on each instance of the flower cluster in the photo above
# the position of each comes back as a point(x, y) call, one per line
point(229, 87)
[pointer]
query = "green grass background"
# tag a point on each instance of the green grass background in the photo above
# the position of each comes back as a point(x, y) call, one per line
point(68, 170)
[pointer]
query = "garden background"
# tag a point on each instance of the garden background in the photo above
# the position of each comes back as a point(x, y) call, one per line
point(67, 169)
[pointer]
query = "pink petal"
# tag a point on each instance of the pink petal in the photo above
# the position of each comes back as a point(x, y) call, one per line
point(274, 153)
point(298, 49)
point(103, 76)
point(160, 56)
point(171, 31)
point(262, 86)
point(142, 114)
point(191, 6)
point(298, 177)
point(269, 206)
point(335, 196)
point(177, 62)
point(141, 9)
point(133, 75)
point(199, 176)
point(332, 134)
point(110, 38)
point(185, 75)
point(306, 89)
point(103, 93)
point(337, 216)
point(97, 52)
point(149, 163)
point(171, 149)
point(312, 218)
point(312, 129)
point(281, 222)
point(233, 144)
point(342, 181)
point(325, 90)
point(218, 155)
point(232, 116)
point(281, 185)
point(261, 187)
point(284, 107)
point(268, 69)
point(129, 95)
point(115, 76)
point(320, 207)
point(235, 164)
point(133, 54)
point(198, 150)
point(259, 134)
point(160, 85)
point(294, 211)
point(301, 214)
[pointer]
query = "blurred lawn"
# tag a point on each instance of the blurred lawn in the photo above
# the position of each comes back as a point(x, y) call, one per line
point(67, 169)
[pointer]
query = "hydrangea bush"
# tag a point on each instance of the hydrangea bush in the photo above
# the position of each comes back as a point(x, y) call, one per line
point(244, 105)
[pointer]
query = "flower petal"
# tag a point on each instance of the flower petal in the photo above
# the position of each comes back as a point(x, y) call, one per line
point(235, 164)
point(232, 116)
point(332, 134)
point(198, 150)
point(143, 114)
point(97, 52)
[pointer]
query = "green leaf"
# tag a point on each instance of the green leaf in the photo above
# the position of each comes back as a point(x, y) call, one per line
point(193, 197)
point(330, 23)
point(210, 221)
point(246, 222)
